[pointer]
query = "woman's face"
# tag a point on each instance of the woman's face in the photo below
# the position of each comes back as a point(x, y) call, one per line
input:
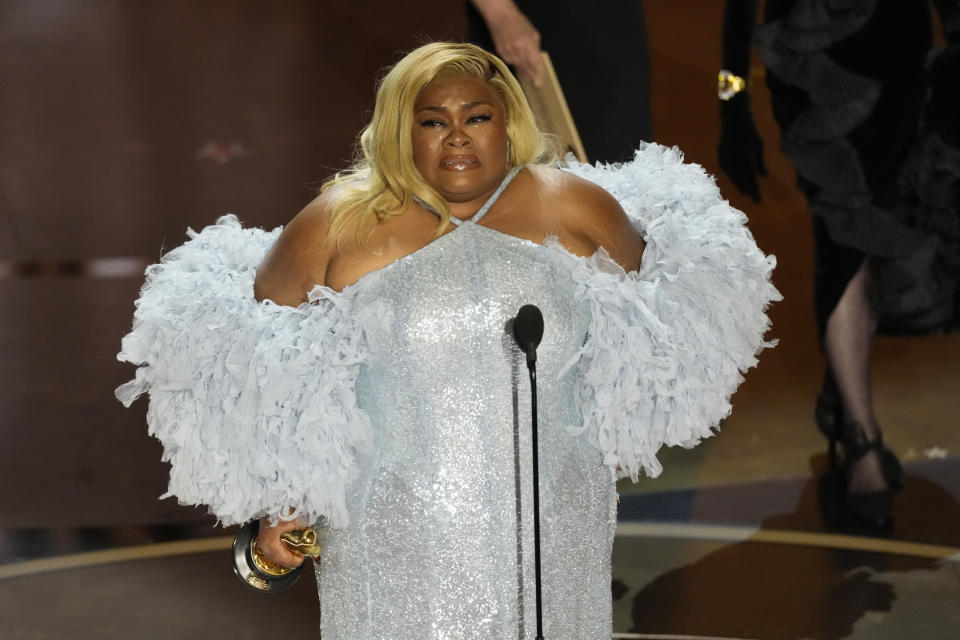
point(460, 138)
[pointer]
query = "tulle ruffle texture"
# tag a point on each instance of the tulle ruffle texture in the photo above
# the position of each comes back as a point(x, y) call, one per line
point(253, 402)
point(668, 344)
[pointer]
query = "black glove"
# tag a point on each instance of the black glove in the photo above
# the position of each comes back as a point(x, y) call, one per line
point(949, 11)
point(943, 109)
point(740, 151)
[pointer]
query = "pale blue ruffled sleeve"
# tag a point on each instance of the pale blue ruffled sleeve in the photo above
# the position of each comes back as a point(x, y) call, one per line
point(668, 344)
point(253, 402)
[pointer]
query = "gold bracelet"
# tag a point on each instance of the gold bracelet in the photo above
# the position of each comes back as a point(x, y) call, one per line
point(729, 84)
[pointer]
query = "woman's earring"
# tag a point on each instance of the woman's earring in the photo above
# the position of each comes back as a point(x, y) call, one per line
point(508, 153)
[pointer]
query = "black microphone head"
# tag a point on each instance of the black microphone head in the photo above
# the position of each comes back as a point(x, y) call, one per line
point(528, 327)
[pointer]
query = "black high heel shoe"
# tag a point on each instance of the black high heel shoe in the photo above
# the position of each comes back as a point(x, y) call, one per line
point(877, 505)
point(828, 414)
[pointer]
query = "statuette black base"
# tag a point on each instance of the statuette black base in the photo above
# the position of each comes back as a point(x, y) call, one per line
point(252, 573)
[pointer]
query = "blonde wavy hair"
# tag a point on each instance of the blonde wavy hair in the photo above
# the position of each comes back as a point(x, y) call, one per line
point(383, 178)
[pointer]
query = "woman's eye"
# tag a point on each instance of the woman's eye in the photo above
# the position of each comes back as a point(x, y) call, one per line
point(431, 123)
point(480, 117)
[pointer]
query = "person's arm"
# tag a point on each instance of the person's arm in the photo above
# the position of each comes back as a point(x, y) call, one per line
point(515, 38)
point(949, 11)
point(298, 261)
point(943, 75)
point(592, 219)
point(738, 20)
point(740, 149)
point(293, 266)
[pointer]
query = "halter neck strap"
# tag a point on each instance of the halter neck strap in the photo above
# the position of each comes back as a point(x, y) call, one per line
point(496, 194)
point(486, 205)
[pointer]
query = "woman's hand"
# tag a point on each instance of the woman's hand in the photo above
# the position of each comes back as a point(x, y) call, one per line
point(514, 37)
point(270, 544)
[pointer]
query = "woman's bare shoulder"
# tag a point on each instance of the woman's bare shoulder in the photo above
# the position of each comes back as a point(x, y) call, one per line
point(562, 186)
point(298, 260)
point(588, 215)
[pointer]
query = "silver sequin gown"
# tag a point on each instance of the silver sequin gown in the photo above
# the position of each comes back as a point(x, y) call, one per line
point(397, 411)
point(440, 541)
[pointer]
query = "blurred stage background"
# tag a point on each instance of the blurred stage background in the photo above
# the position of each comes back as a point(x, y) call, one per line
point(122, 123)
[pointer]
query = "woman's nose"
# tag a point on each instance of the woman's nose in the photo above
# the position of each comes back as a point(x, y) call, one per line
point(458, 137)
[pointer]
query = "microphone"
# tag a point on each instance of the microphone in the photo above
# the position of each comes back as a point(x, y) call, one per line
point(528, 331)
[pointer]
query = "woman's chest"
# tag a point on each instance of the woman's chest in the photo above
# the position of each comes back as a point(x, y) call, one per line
point(454, 301)
point(412, 232)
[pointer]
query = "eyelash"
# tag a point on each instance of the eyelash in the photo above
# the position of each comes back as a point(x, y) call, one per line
point(476, 119)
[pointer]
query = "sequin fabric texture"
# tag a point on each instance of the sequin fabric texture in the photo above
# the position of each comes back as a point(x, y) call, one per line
point(440, 541)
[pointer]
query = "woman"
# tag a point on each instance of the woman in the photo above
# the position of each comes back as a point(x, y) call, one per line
point(376, 387)
point(849, 91)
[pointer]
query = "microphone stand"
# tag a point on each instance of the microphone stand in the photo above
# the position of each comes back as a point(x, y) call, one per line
point(536, 496)
point(528, 331)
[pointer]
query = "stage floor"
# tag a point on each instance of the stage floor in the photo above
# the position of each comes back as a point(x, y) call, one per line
point(671, 580)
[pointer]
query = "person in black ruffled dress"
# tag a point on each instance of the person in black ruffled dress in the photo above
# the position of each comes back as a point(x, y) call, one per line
point(870, 121)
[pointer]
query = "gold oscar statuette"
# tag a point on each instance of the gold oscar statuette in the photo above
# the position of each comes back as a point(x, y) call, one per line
point(257, 571)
